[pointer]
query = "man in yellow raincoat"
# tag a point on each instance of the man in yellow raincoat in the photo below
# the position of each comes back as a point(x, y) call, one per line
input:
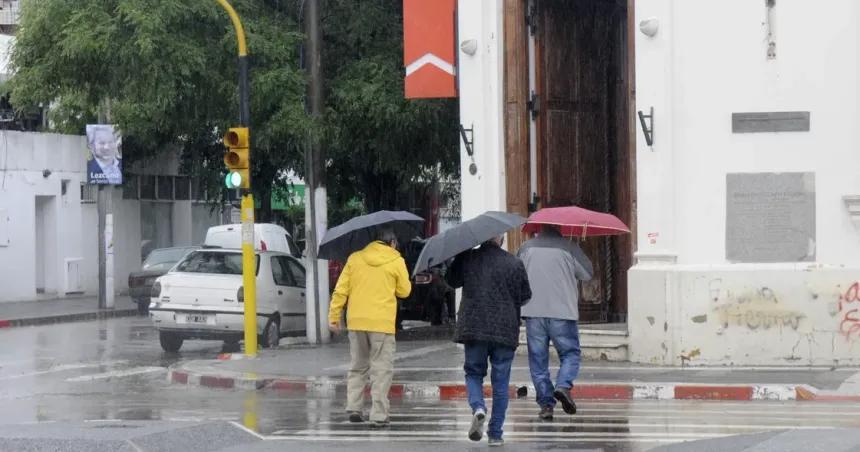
point(371, 282)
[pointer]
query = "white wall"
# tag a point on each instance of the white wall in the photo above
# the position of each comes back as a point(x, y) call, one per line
point(72, 227)
point(481, 86)
point(89, 245)
point(23, 158)
point(182, 223)
point(126, 239)
point(707, 61)
point(745, 315)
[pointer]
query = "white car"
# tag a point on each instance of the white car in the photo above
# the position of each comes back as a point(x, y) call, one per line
point(202, 298)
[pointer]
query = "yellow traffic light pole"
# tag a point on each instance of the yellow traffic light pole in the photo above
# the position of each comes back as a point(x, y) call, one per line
point(234, 139)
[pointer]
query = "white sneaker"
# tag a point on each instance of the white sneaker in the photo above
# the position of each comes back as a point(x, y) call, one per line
point(476, 431)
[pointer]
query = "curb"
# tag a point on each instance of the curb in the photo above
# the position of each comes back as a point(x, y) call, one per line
point(324, 386)
point(65, 318)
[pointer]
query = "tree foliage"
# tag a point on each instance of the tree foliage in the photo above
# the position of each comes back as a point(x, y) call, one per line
point(380, 142)
point(166, 72)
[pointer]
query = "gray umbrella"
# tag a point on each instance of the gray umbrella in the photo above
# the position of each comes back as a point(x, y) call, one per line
point(465, 236)
point(341, 241)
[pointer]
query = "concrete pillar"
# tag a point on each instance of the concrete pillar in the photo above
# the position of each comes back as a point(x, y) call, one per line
point(655, 172)
point(481, 84)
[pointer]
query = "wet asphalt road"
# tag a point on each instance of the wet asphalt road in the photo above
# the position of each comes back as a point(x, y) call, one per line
point(102, 385)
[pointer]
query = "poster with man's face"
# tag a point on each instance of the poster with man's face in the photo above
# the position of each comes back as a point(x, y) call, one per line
point(104, 165)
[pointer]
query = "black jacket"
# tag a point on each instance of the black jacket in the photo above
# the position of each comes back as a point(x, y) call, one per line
point(495, 285)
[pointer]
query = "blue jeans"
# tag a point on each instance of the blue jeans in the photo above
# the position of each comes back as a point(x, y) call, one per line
point(565, 336)
point(475, 366)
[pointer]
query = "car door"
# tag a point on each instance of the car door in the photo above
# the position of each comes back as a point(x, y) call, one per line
point(298, 305)
point(268, 300)
point(290, 296)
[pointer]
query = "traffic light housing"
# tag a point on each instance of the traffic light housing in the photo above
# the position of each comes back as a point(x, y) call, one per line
point(237, 158)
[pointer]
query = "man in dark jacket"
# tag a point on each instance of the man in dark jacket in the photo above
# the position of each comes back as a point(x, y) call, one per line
point(495, 286)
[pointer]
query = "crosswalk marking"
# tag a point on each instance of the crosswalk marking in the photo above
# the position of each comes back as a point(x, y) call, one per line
point(560, 418)
point(117, 374)
point(58, 368)
point(670, 411)
point(604, 425)
point(512, 434)
point(646, 423)
point(463, 439)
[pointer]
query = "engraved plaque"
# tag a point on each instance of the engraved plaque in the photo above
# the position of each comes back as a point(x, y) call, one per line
point(770, 217)
point(773, 121)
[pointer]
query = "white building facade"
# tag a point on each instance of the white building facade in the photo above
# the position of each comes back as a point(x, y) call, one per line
point(744, 206)
point(49, 218)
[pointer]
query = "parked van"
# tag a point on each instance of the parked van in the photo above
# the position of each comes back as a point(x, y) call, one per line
point(267, 237)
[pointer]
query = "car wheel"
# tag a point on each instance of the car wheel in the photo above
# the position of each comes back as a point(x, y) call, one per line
point(271, 334)
point(143, 307)
point(170, 342)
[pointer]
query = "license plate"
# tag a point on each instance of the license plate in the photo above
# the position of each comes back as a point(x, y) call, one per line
point(196, 318)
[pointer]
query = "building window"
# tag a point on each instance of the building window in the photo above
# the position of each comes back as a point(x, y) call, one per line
point(88, 193)
point(130, 187)
point(165, 188)
point(147, 187)
point(199, 189)
point(182, 188)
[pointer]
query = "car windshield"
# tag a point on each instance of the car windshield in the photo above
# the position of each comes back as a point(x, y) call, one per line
point(164, 257)
point(213, 262)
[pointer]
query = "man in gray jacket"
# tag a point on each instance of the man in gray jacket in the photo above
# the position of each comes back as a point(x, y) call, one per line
point(554, 265)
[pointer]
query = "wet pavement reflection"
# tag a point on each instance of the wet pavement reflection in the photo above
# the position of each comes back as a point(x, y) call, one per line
point(116, 370)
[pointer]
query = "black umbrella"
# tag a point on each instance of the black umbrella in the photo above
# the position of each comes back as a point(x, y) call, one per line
point(465, 236)
point(341, 241)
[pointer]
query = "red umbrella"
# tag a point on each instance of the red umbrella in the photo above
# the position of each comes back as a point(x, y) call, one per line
point(576, 222)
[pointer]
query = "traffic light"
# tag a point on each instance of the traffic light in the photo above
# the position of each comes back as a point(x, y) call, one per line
point(237, 158)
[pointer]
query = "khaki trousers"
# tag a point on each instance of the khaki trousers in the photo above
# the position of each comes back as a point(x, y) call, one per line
point(372, 356)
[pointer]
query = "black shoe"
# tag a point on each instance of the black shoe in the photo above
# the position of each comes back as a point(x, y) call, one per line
point(563, 396)
point(380, 424)
point(355, 417)
point(546, 413)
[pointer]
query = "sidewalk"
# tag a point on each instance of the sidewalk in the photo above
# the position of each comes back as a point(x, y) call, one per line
point(39, 312)
point(434, 369)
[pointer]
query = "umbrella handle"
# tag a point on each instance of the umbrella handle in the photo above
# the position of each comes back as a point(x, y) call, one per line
point(584, 229)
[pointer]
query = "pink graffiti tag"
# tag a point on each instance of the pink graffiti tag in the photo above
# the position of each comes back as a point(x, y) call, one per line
point(850, 323)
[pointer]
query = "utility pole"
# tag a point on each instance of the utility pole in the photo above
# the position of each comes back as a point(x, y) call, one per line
point(316, 212)
point(105, 213)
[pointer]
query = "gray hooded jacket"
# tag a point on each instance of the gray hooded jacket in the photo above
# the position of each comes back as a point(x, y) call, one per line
point(554, 265)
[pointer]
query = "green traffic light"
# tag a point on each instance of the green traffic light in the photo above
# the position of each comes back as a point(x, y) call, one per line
point(233, 180)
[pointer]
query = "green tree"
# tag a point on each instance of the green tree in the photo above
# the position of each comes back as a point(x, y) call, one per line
point(381, 144)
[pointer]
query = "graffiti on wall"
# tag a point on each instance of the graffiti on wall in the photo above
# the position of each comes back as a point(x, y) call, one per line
point(849, 312)
point(758, 310)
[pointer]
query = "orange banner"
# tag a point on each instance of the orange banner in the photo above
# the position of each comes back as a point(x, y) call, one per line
point(428, 48)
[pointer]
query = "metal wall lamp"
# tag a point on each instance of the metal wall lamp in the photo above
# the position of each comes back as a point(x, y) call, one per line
point(647, 129)
point(468, 141)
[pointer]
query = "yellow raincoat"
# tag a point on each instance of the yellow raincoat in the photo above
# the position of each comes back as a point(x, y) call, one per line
point(370, 283)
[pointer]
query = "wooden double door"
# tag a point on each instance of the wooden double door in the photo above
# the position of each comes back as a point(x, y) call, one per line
point(568, 111)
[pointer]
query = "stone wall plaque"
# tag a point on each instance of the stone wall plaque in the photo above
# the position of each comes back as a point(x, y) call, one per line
point(770, 217)
point(772, 121)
